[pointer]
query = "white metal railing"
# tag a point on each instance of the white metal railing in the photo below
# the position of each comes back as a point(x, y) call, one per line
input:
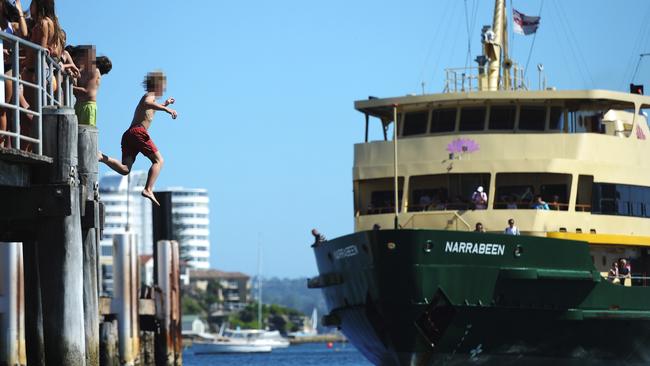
point(467, 79)
point(46, 69)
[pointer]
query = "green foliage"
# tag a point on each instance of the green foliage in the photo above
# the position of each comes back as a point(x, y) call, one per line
point(192, 306)
point(275, 317)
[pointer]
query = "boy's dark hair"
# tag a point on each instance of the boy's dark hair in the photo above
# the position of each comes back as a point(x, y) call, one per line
point(152, 79)
point(104, 64)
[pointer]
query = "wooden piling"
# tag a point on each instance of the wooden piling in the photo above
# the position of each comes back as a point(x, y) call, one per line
point(34, 342)
point(60, 248)
point(12, 341)
point(168, 313)
point(108, 355)
point(88, 183)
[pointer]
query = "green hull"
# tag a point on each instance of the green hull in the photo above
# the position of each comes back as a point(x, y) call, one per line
point(427, 297)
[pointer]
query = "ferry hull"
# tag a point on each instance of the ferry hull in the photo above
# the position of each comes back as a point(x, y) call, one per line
point(420, 297)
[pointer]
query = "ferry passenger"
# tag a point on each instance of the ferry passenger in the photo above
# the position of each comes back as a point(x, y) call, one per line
point(318, 237)
point(613, 273)
point(555, 204)
point(511, 229)
point(136, 139)
point(539, 204)
point(424, 202)
point(624, 270)
point(479, 228)
point(528, 195)
point(479, 198)
point(510, 202)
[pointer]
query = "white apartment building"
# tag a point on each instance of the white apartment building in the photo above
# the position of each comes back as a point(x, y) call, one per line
point(114, 190)
point(191, 225)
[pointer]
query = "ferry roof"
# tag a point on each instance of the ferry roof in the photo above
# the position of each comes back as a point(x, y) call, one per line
point(383, 107)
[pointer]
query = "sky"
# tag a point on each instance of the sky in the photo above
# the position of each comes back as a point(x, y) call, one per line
point(265, 92)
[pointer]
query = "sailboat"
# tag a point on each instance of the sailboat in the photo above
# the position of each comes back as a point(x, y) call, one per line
point(310, 331)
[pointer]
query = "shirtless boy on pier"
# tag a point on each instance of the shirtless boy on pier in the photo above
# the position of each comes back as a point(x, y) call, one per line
point(137, 140)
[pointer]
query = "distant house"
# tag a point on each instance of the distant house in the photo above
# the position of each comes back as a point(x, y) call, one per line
point(192, 325)
point(233, 287)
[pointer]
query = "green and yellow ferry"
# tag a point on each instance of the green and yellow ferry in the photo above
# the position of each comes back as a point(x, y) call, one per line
point(416, 285)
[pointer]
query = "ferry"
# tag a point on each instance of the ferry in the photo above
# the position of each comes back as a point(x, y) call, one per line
point(418, 283)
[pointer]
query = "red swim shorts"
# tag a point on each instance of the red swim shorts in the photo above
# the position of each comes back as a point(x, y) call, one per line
point(137, 140)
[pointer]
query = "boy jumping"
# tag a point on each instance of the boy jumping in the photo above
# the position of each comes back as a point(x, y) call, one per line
point(136, 139)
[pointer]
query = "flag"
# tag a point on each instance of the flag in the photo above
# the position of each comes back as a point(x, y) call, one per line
point(524, 24)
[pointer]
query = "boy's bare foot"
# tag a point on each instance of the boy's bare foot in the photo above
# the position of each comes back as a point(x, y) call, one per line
point(148, 194)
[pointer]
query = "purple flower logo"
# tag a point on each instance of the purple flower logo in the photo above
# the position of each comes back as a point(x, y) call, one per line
point(459, 146)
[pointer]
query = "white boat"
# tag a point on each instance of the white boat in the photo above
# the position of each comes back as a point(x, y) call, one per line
point(271, 338)
point(227, 345)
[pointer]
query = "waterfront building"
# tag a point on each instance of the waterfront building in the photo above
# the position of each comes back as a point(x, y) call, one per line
point(123, 205)
point(233, 290)
point(191, 225)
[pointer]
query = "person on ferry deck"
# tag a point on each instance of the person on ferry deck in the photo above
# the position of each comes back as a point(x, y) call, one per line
point(624, 270)
point(511, 229)
point(425, 201)
point(479, 228)
point(539, 204)
point(479, 199)
point(511, 203)
point(555, 204)
point(613, 273)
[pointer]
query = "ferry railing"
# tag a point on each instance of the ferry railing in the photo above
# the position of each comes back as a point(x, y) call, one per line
point(47, 72)
point(467, 79)
point(424, 219)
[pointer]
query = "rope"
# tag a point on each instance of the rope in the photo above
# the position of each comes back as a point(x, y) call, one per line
point(574, 45)
point(435, 33)
point(640, 40)
point(469, 35)
point(128, 207)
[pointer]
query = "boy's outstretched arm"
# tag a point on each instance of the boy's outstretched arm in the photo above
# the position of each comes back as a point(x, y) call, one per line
point(150, 102)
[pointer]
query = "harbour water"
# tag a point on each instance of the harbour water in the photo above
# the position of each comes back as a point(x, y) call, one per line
point(312, 354)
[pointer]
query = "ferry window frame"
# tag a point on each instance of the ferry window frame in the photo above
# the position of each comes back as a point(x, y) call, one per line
point(518, 180)
point(459, 116)
point(533, 105)
point(454, 128)
point(361, 195)
point(498, 106)
point(415, 111)
point(622, 202)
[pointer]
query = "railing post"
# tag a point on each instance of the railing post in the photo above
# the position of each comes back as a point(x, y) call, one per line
point(39, 101)
point(15, 69)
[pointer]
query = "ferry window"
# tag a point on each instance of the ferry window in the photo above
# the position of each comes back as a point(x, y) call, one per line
point(472, 119)
point(445, 191)
point(583, 200)
point(621, 199)
point(502, 118)
point(518, 190)
point(415, 123)
point(376, 196)
point(585, 121)
point(532, 118)
point(644, 117)
point(443, 120)
point(556, 119)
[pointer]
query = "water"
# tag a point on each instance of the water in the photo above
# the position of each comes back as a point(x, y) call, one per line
point(312, 354)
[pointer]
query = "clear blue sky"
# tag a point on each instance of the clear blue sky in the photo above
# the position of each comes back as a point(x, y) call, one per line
point(265, 93)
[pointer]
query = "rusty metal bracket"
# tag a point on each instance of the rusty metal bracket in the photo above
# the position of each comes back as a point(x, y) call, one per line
point(90, 215)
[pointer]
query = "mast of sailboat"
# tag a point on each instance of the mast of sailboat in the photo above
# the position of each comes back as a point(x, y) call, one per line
point(396, 182)
point(259, 281)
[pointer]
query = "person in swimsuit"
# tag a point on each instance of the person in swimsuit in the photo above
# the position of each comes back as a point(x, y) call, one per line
point(85, 90)
point(12, 21)
point(137, 140)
